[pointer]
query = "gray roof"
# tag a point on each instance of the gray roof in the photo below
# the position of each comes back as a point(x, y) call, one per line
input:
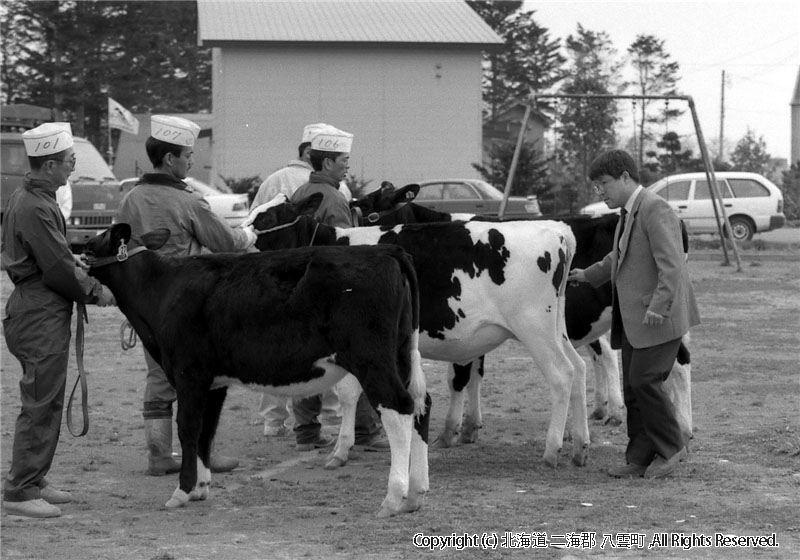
point(437, 22)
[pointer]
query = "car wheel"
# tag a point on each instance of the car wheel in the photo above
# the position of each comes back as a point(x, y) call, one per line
point(742, 229)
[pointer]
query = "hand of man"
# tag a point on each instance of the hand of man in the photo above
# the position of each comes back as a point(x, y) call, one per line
point(80, 261)
point(576, 275)
point(106, 298)
point(652, 319)
point(251, 236)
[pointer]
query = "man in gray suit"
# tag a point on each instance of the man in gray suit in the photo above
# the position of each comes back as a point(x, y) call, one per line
point(653, 306)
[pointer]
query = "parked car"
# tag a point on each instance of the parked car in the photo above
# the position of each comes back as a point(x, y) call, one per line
point(94, 189)
point(473, 196)
point(752, 203)
point(233, 208)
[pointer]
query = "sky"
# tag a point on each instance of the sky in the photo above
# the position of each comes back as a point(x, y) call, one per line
point(757, 44)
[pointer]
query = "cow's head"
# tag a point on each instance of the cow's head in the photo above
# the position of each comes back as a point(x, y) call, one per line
point(281, 211)
point(385, 200)
point(115, 243)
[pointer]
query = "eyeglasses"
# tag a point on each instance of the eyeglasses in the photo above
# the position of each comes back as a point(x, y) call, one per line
point(72, 161)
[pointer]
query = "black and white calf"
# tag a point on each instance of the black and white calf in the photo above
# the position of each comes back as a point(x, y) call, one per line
point(588, 314)
point(286, 323)
point(480, 284)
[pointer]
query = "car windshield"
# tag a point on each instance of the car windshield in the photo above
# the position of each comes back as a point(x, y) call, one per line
point(89, 164)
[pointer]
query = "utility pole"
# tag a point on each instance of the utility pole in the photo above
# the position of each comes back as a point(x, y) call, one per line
point(721, 120)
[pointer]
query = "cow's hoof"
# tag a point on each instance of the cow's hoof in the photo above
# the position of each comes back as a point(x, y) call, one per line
point(612, 420)
point(445, 439)
point(470, 434)
point(335, 463)
point(179, 499)
point(551, 460)
point(199, 492)
point(598, 414)
point(581, 457)
point(413, 503)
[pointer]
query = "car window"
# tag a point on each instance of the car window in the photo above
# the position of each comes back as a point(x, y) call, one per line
point(701, 190)
point(746, 188)
point(675, 191)
point(459, 191)
point(14, 159)
point(431, 192)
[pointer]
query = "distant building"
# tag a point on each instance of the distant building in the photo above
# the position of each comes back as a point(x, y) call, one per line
point(403, 76)
point(505, 125)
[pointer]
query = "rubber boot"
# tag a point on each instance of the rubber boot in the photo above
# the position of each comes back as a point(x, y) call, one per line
point(158, 433)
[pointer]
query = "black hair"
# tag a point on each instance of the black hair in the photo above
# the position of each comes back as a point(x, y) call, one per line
point(318, 156)
point(302, 148)
point(613, 163)
point(158, 149)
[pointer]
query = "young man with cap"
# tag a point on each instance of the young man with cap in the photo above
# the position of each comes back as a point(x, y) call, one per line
point(161, 199)
point(330, 158)
point(276, 411)
point(653, 306)
point(47, 279)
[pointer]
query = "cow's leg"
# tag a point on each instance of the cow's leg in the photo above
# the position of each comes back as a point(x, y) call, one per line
point(213, 409)
point(398, 429)
point(564, 372)
point(418, 471)
point(191, 406)
point(607, 392)
point(348, 390)
point(458, 377)
point(577, 401)
point(473, 421)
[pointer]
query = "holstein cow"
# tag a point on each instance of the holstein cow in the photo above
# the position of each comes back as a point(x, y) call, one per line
point(287, 323)
point(588, 313)
point(480, 284)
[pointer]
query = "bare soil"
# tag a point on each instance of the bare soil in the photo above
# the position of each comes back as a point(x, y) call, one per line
point(742, 476)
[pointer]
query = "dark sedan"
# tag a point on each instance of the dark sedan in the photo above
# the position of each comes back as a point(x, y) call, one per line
point(473, 196)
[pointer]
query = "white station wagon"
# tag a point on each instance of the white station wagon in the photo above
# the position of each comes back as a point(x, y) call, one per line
point(752, 203)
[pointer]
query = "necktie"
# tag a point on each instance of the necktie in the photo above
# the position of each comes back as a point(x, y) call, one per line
point(622, 217)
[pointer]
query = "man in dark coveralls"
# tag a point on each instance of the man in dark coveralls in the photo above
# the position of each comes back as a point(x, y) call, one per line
point(47, 279)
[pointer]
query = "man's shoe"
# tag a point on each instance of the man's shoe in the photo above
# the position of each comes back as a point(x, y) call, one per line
point(159, 466)
point(374, 442)
point(53, 496)
point(221, 464)
point(321, 441)
point(631, 470)
point(32, 508)
point(276, 431)
point(661, 467)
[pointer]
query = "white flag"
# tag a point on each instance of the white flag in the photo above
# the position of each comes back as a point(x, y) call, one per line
point(119, 117)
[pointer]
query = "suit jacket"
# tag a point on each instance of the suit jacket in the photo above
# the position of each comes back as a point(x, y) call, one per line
point(649, 272)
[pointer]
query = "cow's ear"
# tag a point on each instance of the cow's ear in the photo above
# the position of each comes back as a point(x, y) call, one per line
point(308, 206)
point(155, 239)
point(120, 233)
point(407, 193)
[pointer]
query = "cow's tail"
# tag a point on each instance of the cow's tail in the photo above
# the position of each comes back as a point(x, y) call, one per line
point(416, 384)
point(569, 246)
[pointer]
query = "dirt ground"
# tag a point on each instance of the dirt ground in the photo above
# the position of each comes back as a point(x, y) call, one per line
point(742, 477)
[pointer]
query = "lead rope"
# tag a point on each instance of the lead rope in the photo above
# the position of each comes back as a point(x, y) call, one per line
point(127, 336)
point(79, 334)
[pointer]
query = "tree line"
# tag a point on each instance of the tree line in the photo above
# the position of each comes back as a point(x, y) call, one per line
point(71, 55)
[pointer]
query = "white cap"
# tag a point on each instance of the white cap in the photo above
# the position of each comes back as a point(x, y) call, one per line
point(174, 130)
point(331, 139)
point(311, 130)
point(48, 138)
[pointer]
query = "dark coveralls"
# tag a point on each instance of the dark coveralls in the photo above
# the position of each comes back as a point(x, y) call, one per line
point(36, 324)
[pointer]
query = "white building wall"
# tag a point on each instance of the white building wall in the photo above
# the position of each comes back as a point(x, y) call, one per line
point(415, 113)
